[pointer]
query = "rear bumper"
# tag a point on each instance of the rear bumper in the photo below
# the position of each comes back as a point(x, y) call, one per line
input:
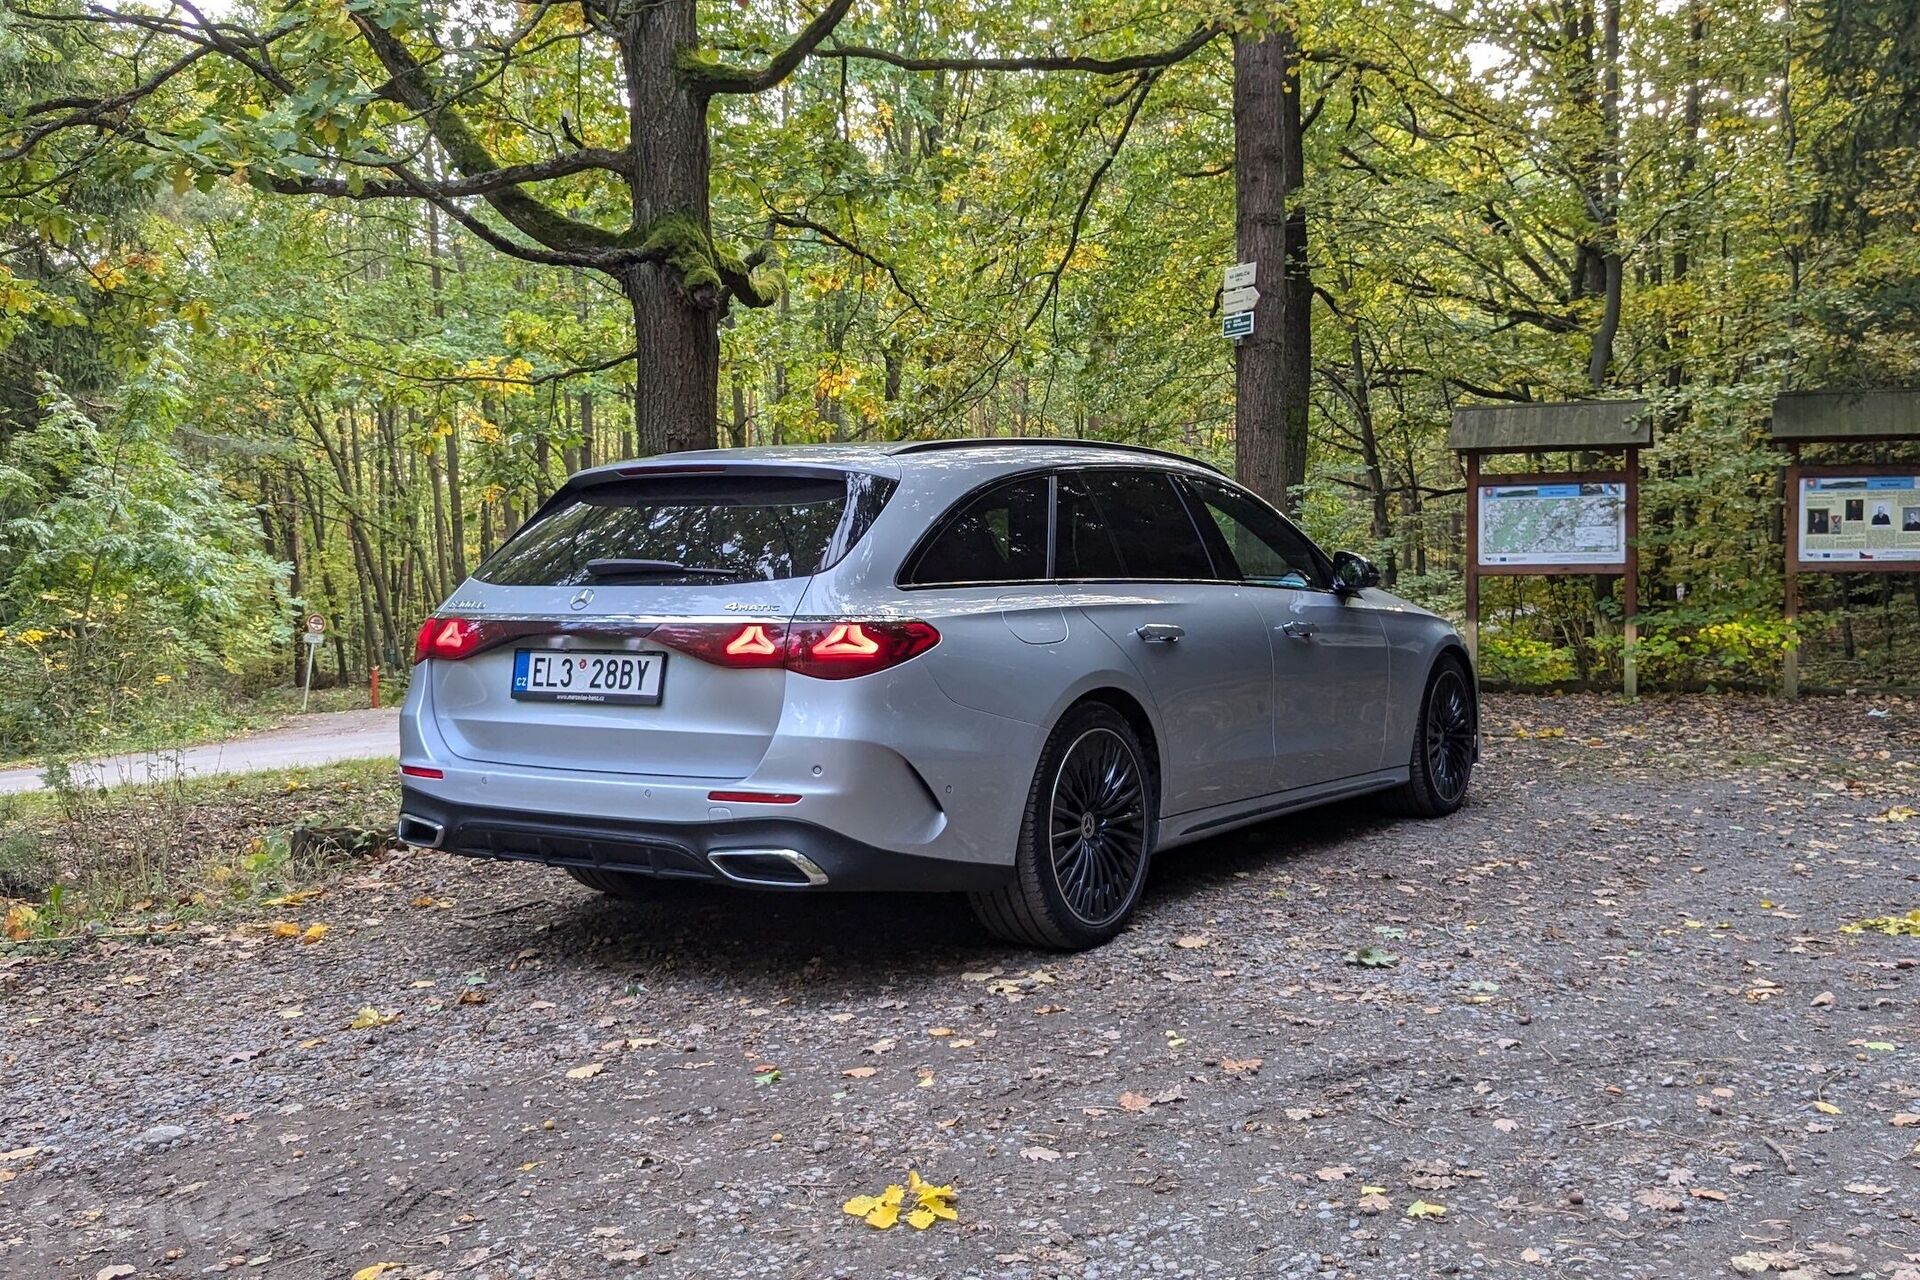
point(761, 853)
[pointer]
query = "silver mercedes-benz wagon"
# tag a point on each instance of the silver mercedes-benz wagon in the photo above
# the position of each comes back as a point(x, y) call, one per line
point(1013, 669)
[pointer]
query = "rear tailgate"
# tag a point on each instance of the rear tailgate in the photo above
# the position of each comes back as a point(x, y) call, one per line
point(749, 539)
point(710, 721)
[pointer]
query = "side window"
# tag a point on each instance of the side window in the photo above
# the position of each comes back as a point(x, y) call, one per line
point(999, 536)
point(1127, 524)
point(1251, 542)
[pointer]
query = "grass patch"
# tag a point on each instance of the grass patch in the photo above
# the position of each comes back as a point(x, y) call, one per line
point(76, 860)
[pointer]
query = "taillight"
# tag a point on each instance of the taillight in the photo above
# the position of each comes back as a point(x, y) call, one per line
point(824, 650)
point(725, 644)
point(842, 650)
point(450, 638)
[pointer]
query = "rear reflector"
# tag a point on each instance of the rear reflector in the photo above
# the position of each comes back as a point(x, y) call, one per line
point(421, 771)
point(753, 797)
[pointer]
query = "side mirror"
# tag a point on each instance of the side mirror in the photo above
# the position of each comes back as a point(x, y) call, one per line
point(1353, 573)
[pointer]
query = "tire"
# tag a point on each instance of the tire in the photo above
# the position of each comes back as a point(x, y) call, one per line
point(1086, 837)
point(1445, 742)
point(625, 885)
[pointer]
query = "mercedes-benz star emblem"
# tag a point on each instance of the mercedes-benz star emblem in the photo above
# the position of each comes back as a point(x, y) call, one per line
point(582, 598)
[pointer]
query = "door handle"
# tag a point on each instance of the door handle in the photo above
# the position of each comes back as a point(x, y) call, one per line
point(1160, 632)
point(1297, 630)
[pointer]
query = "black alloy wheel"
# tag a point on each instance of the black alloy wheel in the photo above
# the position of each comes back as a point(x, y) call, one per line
point(1097, 826)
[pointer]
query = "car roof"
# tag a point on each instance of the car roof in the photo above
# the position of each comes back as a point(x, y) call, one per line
point(984, 456)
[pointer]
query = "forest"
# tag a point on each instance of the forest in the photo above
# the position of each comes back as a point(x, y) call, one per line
point(306, 304)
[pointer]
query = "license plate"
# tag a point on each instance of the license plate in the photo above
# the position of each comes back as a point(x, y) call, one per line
point(555, 675)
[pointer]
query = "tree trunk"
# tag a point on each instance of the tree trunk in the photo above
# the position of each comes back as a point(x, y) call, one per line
point(676, 383)
point(456, 509)
point(1272, 367)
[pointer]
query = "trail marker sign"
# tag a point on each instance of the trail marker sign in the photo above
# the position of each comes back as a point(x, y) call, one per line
point(1237, 325)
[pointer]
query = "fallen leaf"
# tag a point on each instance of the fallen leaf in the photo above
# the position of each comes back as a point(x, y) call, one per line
point(1373, 958)
point(1657, 1198)
point(375, 1271)
point(587, 1072)
point(1131, 1101)
point(21, 919)
point(1192, 941)
point(1373, 1202)
point(1867, 1189)
point(860, 1073)
point(1046, 1155)
point(1706, 1193)
point(117, 1271)
point(1906, 1119)
point(284, 929)
point(1425, 1209)
point(1505, 1125)
point(313, 933)
point(920, 1219)
point(1241, 1066)
point(1333, 1173)
point(879, 1046)
point(1826, 1108)
point(1822, 1000)
point(369, 1017)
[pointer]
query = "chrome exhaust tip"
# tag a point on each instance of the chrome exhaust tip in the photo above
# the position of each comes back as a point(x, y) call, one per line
point(419, 833)
point(768, 868)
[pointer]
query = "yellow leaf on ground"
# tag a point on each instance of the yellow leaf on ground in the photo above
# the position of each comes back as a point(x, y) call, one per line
point(920, 1219)
point(1426, 1209)
point(861, 1206)
point(285, 929)
point(375, 1271)
point(1826, 1108)
point(587, 1072)
point(21, 919)
point(883, 1216)
point(370, 1017)
point(313, 933)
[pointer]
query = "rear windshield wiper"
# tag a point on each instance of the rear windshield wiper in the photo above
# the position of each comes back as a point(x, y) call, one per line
point(621, 567)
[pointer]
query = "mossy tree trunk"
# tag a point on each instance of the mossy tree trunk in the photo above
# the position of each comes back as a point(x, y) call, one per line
point(676, 311)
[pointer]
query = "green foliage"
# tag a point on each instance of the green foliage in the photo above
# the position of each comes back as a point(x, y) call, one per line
point(126, 573)
point(1520, 660)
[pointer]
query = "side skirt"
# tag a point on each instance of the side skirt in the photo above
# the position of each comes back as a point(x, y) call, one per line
point(1184, 828)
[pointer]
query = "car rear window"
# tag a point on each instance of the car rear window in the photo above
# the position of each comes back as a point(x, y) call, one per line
point(680, 530)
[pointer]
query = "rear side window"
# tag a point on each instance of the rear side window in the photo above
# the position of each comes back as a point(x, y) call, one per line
point(1000, 536)
point(1127, 524)
point(681, 530)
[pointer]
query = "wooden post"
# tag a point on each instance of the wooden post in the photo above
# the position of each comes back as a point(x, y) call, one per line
point(1790, 661)
point(1473, 559)
point(1630, 585)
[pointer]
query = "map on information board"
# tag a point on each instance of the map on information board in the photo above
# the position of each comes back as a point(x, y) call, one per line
point(1860, 519)
point(1550, 524)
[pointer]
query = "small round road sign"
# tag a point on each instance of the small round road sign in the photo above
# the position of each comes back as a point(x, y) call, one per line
point(316, 624)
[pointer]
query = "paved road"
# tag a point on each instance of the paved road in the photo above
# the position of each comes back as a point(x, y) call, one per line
point(316, 739)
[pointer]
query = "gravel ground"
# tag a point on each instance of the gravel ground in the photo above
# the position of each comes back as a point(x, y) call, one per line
point(1622, 1036)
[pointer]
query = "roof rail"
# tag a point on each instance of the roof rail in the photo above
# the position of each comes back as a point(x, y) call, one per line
point(931, 446)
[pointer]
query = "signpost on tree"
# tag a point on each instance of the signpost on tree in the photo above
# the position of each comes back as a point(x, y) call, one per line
point(1850, 516)
point(1555, 523)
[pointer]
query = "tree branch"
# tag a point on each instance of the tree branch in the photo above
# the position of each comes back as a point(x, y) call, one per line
point(723, 79)
point(800, 222)
point(413, 87)
point(1035, 62)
